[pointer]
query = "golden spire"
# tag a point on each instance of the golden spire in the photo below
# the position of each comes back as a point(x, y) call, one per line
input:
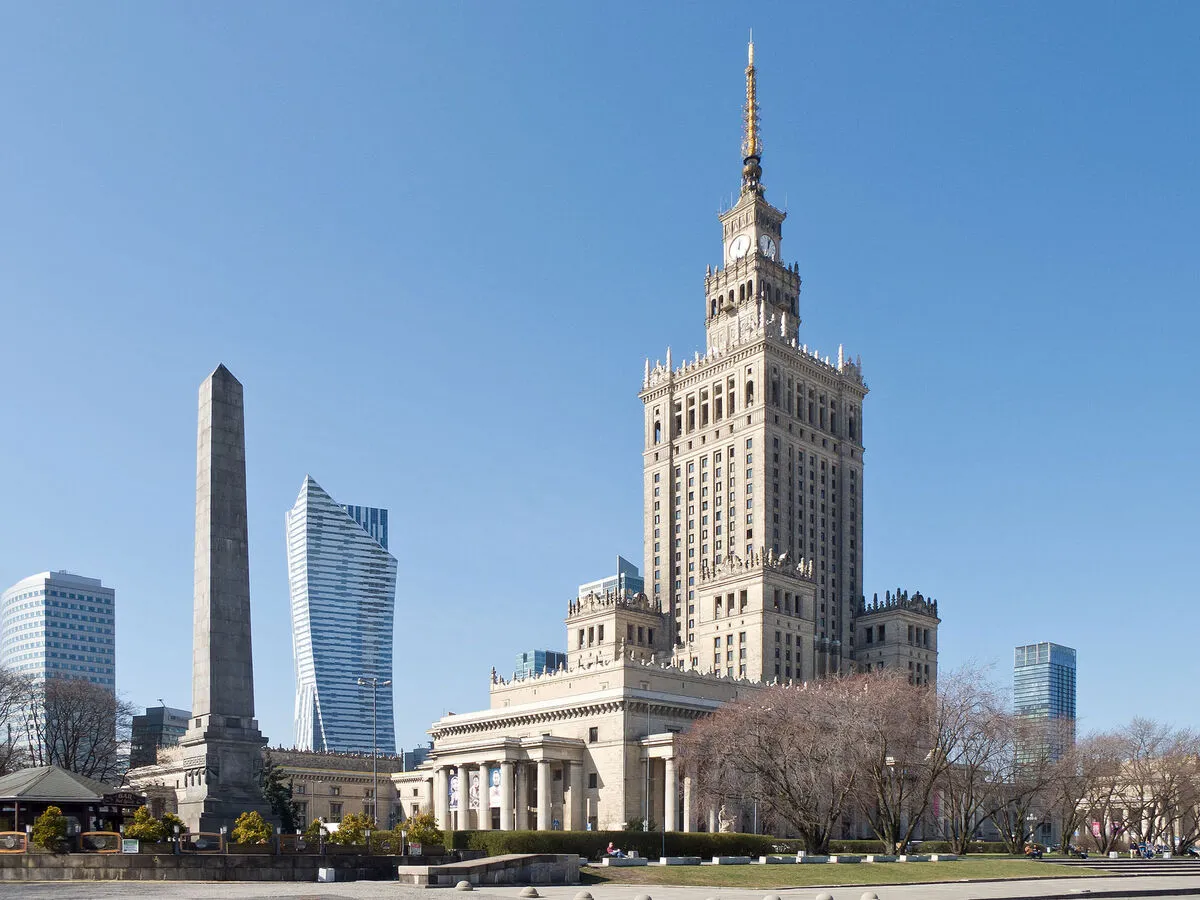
point(751, 140)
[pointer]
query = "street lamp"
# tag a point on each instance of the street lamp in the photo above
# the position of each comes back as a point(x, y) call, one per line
point(376, 683)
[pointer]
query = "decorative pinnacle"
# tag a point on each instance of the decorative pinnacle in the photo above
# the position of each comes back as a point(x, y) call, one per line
point(751, 140)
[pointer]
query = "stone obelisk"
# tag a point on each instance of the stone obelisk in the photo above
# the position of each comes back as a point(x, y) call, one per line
point(222, 749)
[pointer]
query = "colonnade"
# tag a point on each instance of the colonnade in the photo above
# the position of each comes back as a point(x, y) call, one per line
point(518, 809)
point(530, 796)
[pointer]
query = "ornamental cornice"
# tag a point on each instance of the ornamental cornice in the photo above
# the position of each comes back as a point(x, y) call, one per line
point(532, 717)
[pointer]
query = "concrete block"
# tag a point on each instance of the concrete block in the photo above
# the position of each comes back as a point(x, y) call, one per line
point(776, 860)
point(878, 858)
point(620, 862)
point(845, 858)
point(731, 860)
point(912, 857)
point(810, 858)
point(943, 857)
point(679, 860)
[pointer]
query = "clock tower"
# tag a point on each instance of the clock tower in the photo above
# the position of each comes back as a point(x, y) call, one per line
point(753, 466)
point(751, 282)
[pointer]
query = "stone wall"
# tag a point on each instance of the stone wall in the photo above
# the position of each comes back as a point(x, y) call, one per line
point(191, 867)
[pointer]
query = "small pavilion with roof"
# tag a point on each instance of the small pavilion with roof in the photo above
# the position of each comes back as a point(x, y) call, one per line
point(92, 805)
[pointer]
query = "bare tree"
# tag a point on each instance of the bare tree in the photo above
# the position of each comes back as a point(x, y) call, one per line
point(792, 750)
point(1025, 780)
point(1101, 760)
point(78, 726)
point(14, 689)
point(975, 732)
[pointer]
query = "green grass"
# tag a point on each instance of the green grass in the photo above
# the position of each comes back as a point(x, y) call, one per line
point(830, 874)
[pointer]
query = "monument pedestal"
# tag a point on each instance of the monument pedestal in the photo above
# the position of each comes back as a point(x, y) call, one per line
point(221, 773)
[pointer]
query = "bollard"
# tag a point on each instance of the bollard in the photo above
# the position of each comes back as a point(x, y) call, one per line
point(824, 896)
point(464, 886)
point(643, 897)
point(583, 895)
point(869, 895)
point(529, 892)
point(772, 897)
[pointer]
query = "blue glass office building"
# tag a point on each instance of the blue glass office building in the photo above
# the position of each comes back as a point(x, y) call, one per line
point(1044, 684)
point(343, 589)
point(535, 662)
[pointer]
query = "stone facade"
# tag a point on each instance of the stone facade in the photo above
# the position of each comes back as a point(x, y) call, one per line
point(592, 746)
point(898, 634)
point(753, 522)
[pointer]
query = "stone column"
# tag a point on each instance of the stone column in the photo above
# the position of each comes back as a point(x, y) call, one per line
point(522, 796)
point(441, 798)
point(576, 821)
point(485, 797)
point(712, 820)
point(543, 795)
point(688, 825)
point(464, 797)
point(506, 795)
point(670, 794)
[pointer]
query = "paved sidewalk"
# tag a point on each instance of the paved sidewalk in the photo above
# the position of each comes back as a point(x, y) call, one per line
point(1179, 886)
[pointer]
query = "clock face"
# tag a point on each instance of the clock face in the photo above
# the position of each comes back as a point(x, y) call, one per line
point(766, 244)
point(739, 246)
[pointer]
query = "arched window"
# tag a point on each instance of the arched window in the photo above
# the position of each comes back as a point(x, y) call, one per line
point(658, 432)
point(750, 288)
point(741, 292)
point(714, 306)
point(731, 296)
point(749, 393)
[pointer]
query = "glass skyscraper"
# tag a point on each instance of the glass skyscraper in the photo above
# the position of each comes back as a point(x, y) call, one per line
point(59, 625)
point(1044, 685)
point(343, 587)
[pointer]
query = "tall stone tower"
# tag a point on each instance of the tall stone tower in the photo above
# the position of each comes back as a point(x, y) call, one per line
point(222, 749)
point(753, 465)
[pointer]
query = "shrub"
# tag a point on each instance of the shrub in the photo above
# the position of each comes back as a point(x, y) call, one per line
point(313, 831)
point(170, 822)
point(353, 829)
point(50, 829)
point(251, 828)
point(145, 827)
point(422, 829)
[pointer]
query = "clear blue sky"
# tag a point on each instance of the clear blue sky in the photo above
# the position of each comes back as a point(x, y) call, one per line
point(436, 241)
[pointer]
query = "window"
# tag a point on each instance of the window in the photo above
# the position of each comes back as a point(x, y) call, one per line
point(593, 734)
point(335, 812)
point(592, 780)
point(334, 790)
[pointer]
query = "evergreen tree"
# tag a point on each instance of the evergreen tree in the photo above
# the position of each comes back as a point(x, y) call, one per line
point(278, 794)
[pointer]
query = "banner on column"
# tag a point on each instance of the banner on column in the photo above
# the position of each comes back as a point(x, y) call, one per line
point(474, 792)
point(453, 788)
point(494, 786)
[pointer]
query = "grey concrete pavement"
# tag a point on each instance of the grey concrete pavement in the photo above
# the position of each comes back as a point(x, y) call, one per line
point(1179, 886)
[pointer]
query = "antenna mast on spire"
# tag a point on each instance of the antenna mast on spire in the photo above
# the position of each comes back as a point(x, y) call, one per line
point(751, 140)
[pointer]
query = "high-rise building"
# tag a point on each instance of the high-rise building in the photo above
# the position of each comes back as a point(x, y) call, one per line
point(627, 580)
point(537, 662)
point(59, 625)
point(159, 726)
point(343, 589)
point(753, 465)
point(1044, 686)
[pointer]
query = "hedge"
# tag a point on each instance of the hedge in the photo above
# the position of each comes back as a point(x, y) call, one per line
point(592, 844)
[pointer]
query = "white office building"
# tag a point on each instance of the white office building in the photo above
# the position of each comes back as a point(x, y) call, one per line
point(59, 625)
point(343, 589)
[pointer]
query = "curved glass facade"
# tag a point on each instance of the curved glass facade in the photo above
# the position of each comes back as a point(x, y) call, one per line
point(343, 589)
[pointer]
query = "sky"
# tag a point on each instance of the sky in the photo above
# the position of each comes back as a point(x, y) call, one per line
point(436, 243)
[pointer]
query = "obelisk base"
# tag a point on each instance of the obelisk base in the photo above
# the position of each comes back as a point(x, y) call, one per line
point(222, 770)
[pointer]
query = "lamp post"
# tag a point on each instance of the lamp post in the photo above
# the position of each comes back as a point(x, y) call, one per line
point(376, 683)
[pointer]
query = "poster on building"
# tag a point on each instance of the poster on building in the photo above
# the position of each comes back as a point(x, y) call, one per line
point(454, 791)
point(494, 786)
point(474, 793)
